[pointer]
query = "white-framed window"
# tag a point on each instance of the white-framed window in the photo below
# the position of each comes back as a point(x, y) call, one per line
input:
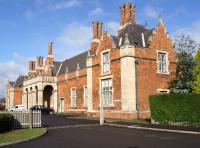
point(106, 92)
point(73, 97)
point(85, 96)
point(162, 62)
point(106, 62)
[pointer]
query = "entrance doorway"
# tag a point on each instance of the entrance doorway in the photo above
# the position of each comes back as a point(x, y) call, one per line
point(62, 105)
point(47, 96)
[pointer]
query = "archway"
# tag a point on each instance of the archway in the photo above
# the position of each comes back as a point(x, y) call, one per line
point(47, 95)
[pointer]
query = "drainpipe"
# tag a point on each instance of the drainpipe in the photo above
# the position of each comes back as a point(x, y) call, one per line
point(136, 87)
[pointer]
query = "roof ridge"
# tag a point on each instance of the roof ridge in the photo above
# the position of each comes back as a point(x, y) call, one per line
point(76, 56)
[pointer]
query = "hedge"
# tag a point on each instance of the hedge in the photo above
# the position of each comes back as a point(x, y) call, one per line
point(184, 108)
point(6, 122)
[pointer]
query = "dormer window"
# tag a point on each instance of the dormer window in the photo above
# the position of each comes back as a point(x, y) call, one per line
point(106, 62)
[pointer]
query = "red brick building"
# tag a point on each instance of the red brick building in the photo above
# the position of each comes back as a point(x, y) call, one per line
point(14, 92)
point(118, 72)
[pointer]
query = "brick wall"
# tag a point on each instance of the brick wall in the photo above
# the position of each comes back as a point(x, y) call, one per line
point(149, 80)
point(106, 44)
point(17, 96)
point(64, 88)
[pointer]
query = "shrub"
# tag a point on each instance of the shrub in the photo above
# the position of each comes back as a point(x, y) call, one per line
point(183, 108)
point(6, 122)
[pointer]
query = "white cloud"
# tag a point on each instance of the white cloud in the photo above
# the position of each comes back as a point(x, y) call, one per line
point(62, 4)
point(112, 27)
point(11, 70)
point(152, 12)
point(193, 31)
point(75, 38)
point(97, 11)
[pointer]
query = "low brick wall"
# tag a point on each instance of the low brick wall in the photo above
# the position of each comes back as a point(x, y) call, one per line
point(115, 114)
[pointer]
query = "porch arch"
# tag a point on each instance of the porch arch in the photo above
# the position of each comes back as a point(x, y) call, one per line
point(48, 96)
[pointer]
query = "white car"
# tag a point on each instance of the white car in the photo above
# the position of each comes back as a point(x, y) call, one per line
point(17, 108)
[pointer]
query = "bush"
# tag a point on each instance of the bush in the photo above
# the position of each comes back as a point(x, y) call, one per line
point(6, 122)
point(184, 108)
point(2, 107)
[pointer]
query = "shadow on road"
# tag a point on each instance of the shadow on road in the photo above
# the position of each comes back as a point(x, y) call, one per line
point(57, 120)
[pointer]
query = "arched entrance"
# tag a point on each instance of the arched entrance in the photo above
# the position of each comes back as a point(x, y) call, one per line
point(47, 96)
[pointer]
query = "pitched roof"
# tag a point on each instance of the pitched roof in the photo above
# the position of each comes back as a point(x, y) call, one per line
point(19, 81)
point(134, 32)
point(71, 64)
point(56, 65)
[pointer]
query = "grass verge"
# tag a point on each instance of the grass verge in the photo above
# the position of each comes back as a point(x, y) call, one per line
point(21, 134)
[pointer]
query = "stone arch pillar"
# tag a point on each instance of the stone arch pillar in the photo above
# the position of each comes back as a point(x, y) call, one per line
point(27, 98)
point(36, 95)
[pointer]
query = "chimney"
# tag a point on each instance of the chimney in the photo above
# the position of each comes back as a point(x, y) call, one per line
point(31, 66)
point(49, 60)
point(97, 29)
point(39, 61)
point(50, 46)
point(127, 14)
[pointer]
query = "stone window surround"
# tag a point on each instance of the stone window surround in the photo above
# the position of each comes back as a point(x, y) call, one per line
point(105, 51)
point(73, 105)
point(167, 62)
point(103, 78)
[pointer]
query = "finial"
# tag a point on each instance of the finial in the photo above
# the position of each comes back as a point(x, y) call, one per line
point(78, 66)
point(146, 24)
point(160, 19)
point(126, 41)
point(67, 70)
point(105, 28)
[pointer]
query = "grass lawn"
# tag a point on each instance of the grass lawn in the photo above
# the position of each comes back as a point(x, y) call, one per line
point(21, 134)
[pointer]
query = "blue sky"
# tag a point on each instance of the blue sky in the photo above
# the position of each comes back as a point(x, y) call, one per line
point(26, 26)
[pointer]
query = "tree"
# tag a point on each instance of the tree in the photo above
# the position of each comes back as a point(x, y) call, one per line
point(184, 47)
point(183, 43)
point(196, 73)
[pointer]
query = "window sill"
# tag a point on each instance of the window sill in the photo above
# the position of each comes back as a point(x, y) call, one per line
point(110, 105)
point(105, 73)
point(164, 73)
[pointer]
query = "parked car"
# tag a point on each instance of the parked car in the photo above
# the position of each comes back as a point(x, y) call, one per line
point(17, 108)
point(43, 109)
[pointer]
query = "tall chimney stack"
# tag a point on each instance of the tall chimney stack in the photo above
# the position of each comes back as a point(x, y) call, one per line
point(31, 67)
point(50, 48)
point(39, 61)
point(127, 14)
point(97, 29)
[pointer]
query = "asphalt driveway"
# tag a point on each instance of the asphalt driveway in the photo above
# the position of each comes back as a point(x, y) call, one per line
point(90, 135)
point(110, 137)
point(50, 121)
